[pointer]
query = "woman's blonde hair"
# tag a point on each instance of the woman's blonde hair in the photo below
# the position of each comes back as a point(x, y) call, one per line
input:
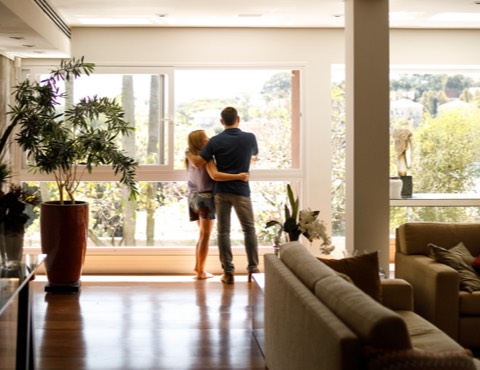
point(196, 142)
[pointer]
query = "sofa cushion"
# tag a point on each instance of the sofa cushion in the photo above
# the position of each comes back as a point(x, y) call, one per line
point(415, 359)
point(460, 259)
point(424, 335)
point(414, 237)
point(372, 322)
point(470, 303)
point(363, 270)
point(303, 264)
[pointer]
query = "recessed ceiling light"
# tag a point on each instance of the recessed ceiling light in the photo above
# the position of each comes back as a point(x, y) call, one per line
point(28, 46)
point(114, 21)
point(250, 15)
point(17, 37)
point(162, 15)
point(456, 17)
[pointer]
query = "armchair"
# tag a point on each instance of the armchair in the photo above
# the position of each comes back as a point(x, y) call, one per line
point(437, 296)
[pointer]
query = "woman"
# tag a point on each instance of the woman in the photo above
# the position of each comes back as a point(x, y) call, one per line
point(200, 198)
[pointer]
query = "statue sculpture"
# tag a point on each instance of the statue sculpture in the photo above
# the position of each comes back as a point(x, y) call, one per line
point(403, 146)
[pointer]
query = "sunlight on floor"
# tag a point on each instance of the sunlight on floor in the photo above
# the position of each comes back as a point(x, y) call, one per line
point(144, 278)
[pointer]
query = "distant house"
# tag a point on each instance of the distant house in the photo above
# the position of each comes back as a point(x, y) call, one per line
point(408, 109)
point(454, 104)
point(207, 118)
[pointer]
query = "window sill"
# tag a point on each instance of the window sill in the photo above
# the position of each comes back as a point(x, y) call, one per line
point(438, 200)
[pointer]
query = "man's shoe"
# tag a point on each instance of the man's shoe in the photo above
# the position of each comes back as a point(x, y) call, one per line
point(227, 278)
point(253, 271)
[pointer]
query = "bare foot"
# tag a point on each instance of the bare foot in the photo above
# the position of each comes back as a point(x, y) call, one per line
point(204, 275)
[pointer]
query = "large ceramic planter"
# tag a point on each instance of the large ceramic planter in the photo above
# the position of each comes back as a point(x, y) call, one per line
point(64, 233)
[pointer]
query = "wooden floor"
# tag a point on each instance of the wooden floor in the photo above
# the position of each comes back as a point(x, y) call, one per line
point(161, 323)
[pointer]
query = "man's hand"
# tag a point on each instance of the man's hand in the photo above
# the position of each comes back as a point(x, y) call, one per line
point(245, 176)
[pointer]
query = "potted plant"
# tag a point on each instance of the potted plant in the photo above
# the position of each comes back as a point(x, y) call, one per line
point(14, 212)
point(67, 144)
point(304, 222)
point(13, 218)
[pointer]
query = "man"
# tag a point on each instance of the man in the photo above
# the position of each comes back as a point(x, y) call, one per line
point(233, 150)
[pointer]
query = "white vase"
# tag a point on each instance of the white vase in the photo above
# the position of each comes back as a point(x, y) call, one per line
point(11, 248)
point(395, 188)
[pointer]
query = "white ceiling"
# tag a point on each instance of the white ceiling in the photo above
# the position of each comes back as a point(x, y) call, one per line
point(263, 13)
point(223, 13)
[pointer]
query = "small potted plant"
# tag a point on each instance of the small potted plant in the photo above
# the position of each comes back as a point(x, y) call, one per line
point(13, 218)
point(304, 223)
point(67, 144)
point(13, 211)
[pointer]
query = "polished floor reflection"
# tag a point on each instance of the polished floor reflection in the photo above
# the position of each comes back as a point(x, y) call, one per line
point(161, 323)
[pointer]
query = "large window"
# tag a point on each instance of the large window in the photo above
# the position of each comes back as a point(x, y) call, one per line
point(440, 109)
point(164, 106)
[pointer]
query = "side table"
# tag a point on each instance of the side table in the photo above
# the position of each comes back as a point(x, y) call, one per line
point(15, 283)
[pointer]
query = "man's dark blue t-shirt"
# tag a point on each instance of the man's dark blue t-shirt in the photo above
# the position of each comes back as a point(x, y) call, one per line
point(232, 150)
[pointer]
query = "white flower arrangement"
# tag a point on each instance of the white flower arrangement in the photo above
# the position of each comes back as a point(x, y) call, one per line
point(308, 224)
point(313, 228)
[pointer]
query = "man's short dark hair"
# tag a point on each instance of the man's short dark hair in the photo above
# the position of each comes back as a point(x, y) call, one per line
point(229, 116)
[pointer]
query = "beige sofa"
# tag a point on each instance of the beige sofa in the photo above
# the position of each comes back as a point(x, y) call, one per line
point(436, 286)
point(315, 319)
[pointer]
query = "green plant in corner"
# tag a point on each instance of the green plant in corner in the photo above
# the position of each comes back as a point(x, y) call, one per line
point(66, 144)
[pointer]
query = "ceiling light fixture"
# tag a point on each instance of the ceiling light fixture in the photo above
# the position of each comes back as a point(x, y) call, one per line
point(456, 17)
point(250, 15)
point(114, 21)
point(17, 37)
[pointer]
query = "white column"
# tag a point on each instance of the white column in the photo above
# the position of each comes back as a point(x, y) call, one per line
point(367, 126)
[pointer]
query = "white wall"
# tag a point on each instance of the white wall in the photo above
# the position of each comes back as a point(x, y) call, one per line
point(435, 47)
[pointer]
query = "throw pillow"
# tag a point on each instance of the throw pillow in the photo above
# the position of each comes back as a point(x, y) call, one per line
point(460, 259)
point(345, 277)
point(363, 270)
point(415, 359)
point(476, 264)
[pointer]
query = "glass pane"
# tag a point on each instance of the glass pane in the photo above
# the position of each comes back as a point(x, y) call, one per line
point(441, 113)
point(338, 154)
point(267, 102)
point(159, 217)
point(144, 101)
point(399, 215)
